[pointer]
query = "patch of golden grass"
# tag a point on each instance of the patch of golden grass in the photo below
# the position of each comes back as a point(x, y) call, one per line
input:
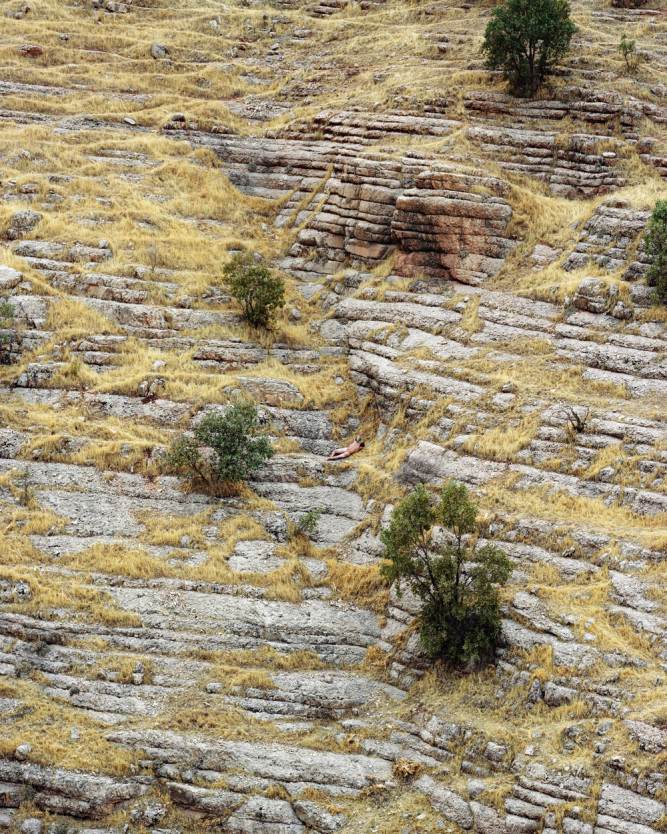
point(52, 596)
point(503, 443)
point(470, 322)
point(17, 550)
point(169, 530)
point(238, 683)
point(56, 748)
point(122, 665)
point(117, 560)
point(560, 507)
point(605, 457)
point(264, 657)
point(35, 522)
point(358, 584)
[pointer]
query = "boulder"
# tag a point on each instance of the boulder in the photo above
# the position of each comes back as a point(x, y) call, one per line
point(31, 50)
point(543, 255)
point(201, 800)
point(275, 392)
point(622, 311)
point(314, 817)
point(448, 803)
point(22, 222)
point(649, 738)
point(592, 295)
point(9, 278)
point(556, 696)
point(10, 443)
point(260, 815)
point(159, 50)
point(617, 803)
point(494, 752)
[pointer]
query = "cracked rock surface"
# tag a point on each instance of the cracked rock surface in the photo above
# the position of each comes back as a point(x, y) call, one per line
point(465, 280)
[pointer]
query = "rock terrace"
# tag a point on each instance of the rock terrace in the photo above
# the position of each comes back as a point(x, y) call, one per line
point(465, 287)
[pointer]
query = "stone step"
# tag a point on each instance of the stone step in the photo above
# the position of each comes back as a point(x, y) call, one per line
point(433, 463)
point(294, 767)
point(312, 695)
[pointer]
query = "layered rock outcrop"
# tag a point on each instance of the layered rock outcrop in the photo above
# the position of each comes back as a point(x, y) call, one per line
point(442, 226)
point(573, 168)
point(599, 108)
point(611, 239)
point(452, 225)
point(197, 662)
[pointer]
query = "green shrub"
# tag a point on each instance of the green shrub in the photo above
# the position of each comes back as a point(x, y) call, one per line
point(628, 50)
point(655, 243)
point(307, 523)
point(225, 447)
point(255, 287)
point(26, 488)
point(6, 316)
point(525, 39)
point(457, 583)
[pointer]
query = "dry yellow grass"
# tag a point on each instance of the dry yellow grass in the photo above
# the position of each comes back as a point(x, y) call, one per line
point(175, 211)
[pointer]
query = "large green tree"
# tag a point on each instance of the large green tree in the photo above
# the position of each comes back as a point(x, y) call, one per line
point(655, 243)
point(457, 582)
point(525, 39)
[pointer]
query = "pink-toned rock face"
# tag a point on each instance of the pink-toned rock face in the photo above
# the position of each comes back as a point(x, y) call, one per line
point(31, 50)
point(446, 229)
point(443, 224)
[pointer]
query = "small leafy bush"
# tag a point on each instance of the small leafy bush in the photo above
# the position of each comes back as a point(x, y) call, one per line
point(628, 49)
point(525, 39)
point(458, 583)
point(6, 312)
point(255, 287)
point(655, 243)
point(225, 447)
point(6, 316)
point(307, 523)
point(26, 489)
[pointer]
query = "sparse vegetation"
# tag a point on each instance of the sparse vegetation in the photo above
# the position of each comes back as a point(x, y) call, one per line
point(457, 582)
point(628, 49)
point(307, 523)
point(208, 591)
point(224, 446)
point(575, 417)
point(255, 287)
point(6, 316)
point(406, 769)
point(26, 489)
point(655, 242)
point(6, 313)
point(525, 39)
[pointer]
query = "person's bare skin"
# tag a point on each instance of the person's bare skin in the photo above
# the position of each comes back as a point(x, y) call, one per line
point(346, 451)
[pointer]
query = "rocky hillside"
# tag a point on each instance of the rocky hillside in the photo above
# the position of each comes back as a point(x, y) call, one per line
point(465, 280)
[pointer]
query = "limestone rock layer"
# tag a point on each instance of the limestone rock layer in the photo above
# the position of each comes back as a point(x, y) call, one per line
point(465, 286)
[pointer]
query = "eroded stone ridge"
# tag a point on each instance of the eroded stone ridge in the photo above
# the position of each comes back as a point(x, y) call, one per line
point(175, 660)
point(441, 226)
point(447, 228)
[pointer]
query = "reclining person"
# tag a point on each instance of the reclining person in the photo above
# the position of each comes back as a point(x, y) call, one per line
point(345, 452)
